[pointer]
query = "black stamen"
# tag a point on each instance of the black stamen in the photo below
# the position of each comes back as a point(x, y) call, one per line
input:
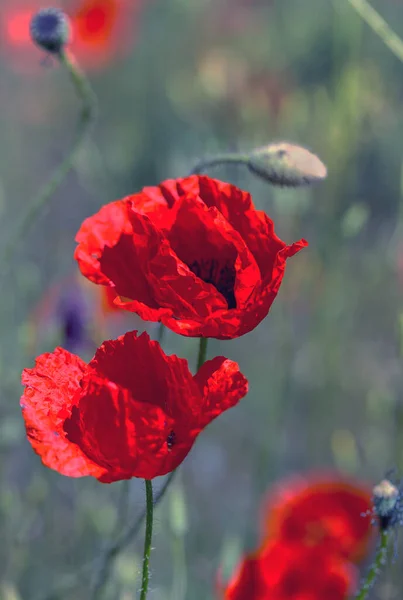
point(171, 440)
point(221, 276)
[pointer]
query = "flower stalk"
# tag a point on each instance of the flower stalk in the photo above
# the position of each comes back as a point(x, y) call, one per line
point(201, 359)
point(379, 26)
point(88, 100)
point(373, 573)
point(218, 161)
point(147, 539)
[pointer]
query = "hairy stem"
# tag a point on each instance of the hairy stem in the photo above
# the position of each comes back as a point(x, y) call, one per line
point(147, 539)
point(375, 569)
point(216, 161)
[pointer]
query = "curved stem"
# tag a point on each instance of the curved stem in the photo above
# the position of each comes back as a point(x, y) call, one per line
point(147, 539)
point(202, 352)
point(379, 561)
point(218, 160)
point(88, 99)
point(379, 26)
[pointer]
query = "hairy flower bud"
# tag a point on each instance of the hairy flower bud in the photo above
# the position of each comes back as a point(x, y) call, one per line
point(50, 29)
point(387, 504)
point(286, 164)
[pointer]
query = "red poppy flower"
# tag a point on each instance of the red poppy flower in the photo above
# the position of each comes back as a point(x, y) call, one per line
point(192, 253)
point(131, 412)
point(323, 511)
point(103, 29)
point(291, 572)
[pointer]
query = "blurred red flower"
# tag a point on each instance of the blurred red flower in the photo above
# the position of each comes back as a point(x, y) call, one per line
point(193, 253)
point(131, 412)
point(324, 511)
point(283, 571)
point(101, 30)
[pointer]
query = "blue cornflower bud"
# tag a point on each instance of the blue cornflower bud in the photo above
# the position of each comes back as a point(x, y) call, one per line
point(388, 504)
point(50, 29)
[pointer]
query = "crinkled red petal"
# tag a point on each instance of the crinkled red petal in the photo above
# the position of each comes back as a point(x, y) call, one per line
point(139, 365)
point(102, 229)
point(213, 240)
point(222, 385)
point(255, 227)
point(49, 396)
point(234, 323)
point(128, 438)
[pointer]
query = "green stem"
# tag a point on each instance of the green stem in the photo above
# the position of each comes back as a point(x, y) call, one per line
point(218, 160)
point(161, 333)
point(147, 540)
point(87, 97)
point(379, 561)
point(202, 352)
point(379, 26)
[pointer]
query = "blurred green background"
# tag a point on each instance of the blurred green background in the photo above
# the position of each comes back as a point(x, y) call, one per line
point(198, 77)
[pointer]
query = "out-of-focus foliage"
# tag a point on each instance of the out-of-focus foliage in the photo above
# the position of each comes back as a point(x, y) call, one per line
point(190, 78)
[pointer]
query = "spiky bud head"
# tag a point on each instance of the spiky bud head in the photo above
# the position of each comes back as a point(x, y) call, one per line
point(50, 29)
point(387, 504)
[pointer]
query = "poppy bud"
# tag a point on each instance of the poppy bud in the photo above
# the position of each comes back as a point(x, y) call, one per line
point(285, 164)
point(50, 29)
point(387, 504)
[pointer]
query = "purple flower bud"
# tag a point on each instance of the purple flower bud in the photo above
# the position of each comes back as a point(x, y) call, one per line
point(50, 29)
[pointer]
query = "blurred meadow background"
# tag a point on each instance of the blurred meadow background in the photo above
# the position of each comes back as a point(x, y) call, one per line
point(178, 80)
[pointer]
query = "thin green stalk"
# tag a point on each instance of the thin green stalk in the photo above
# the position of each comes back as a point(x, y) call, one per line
point(179, 585)
point(373, 573)
point(220, 159)
point(147, 539)
point(88, 99)
point(202, 352)
point(161, 333)
point(102, 572)
point(379, 26)
point(69, 582)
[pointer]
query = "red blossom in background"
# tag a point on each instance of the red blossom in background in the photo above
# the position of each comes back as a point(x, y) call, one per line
point(104, 29)
point(313, 533)
point(283, 571)
point(131, 412)
point(193, 253)
point(321, 510)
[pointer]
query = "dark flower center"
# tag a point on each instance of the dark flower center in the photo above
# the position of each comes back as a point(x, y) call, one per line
point(221, 276)
point(171, 439)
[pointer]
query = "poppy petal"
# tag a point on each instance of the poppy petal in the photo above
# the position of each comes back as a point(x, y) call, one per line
point(221, 384)
point(49, 396)
point(157, 378)
point(124, 436)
